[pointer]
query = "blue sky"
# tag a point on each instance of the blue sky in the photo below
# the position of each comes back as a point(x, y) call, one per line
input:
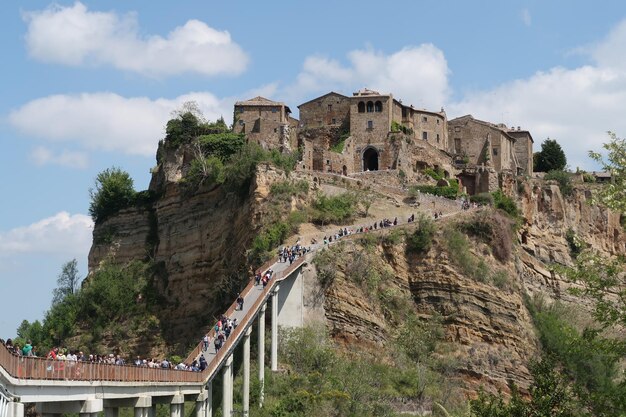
point(88, 85)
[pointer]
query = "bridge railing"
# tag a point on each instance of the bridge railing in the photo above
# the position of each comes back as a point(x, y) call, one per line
point(211, 333)
point(230, 343)
point(28, 367)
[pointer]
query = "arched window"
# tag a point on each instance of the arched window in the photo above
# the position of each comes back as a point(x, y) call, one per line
point(378, 107)
point(370, 107)
point(361, 107)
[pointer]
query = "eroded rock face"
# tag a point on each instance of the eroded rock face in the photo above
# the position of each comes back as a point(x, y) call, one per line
point(197, 241)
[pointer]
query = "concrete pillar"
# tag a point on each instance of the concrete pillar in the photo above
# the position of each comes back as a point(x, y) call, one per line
point(201, 402)
point(15, 409)
point(177, 406)
point(111, 412)
point(274, 361)
point(246, 372)
point(227, 387)
point(143, 407)
point(262, 354)
point(209, 400)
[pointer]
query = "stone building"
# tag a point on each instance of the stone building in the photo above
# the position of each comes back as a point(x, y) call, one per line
point(332, 109)
point(523, 150)
point(361, 133)
point(266, 122)
point(486, 151)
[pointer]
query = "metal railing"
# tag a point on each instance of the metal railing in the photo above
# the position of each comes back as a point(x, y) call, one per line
point(28, 367)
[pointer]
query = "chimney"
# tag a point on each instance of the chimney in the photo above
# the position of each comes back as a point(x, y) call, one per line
point(518, 128)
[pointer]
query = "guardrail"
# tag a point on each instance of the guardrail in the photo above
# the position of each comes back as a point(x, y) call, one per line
point(28, 367)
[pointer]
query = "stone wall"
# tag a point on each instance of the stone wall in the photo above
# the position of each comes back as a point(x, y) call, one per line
point(523, 150)
point(331, 109)
point(380, 121)
point(264, 125)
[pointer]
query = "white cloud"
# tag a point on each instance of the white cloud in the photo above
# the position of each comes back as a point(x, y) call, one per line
point(416, 74)
point(76, 36)
point(107, 121)
point(526, 17)
point(44, 156)
point(574, 106)
point(62, 233)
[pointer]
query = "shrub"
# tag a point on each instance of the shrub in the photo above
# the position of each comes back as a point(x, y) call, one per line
point(575, 243)
point(421, 239)
point(221, 145)
point(494, 229)
point(436, 175)
point(482, 199)
point(505, 203)
point(448, 192)
point(335, 209)
point(459, 253)
point(287, 189)
point(113, 191)
point(563, 179)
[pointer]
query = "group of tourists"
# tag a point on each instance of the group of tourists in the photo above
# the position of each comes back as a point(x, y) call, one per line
point(291, 253)
point(263, 279)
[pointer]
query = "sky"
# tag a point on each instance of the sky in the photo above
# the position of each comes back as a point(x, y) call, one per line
point(88, 85)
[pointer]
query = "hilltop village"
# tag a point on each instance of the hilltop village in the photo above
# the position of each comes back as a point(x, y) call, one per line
point(369, 133)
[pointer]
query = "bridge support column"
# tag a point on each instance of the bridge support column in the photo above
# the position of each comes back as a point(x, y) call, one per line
point(227, 387)
point(15, 409)
point(177, 406)
point(111, 412)
point(246, 372)
point(143, 407)
point(201, 400)
point(209, 400)
point(274, 361)
point(262, 354)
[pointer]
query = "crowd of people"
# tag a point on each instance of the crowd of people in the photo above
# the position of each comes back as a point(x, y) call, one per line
point(224, 325)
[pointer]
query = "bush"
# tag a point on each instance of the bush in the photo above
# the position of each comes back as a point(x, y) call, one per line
point(575, 243)
point(563, 179)
point(494, 229)
point(221, 145)
point(459, 252)
point(113, 191)
point(436, 175)
point(286, 189)
point(420, 241)
point(484, 199)
point(505, 203)
point(335, 209)
point(447, 192)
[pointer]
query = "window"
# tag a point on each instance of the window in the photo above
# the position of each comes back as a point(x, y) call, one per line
point(437, 121)
point(334, 121)
point(241, 123)
point(320, 123)
point(424, 119)
point(275, 130)
point(274, 109)
point(361, 107)
point(437, 137)
point(370, 124)
point(457, 128)
point(495, 151)
point(370, 107)
point(330, 107)
point(425, 135)
point(378, 107)
point(457, 145)
point(328, 162)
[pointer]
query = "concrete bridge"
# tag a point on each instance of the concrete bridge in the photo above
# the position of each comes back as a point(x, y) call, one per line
point(58, 387)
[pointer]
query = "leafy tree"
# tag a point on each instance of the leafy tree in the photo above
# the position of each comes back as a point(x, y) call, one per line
point(550, 158)
point(113, 191)
point(67, 282)
point(613, 194)
point(563, 179)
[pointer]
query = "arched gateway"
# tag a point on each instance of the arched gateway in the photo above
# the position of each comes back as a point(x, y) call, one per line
point(370, 159)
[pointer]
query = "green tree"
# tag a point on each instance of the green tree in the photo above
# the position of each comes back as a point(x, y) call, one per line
point(613, 194)
point(113, 191)
point(550, 158)
point(67, 282)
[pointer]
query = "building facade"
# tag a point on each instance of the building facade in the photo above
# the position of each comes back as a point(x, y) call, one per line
point(266, 122)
